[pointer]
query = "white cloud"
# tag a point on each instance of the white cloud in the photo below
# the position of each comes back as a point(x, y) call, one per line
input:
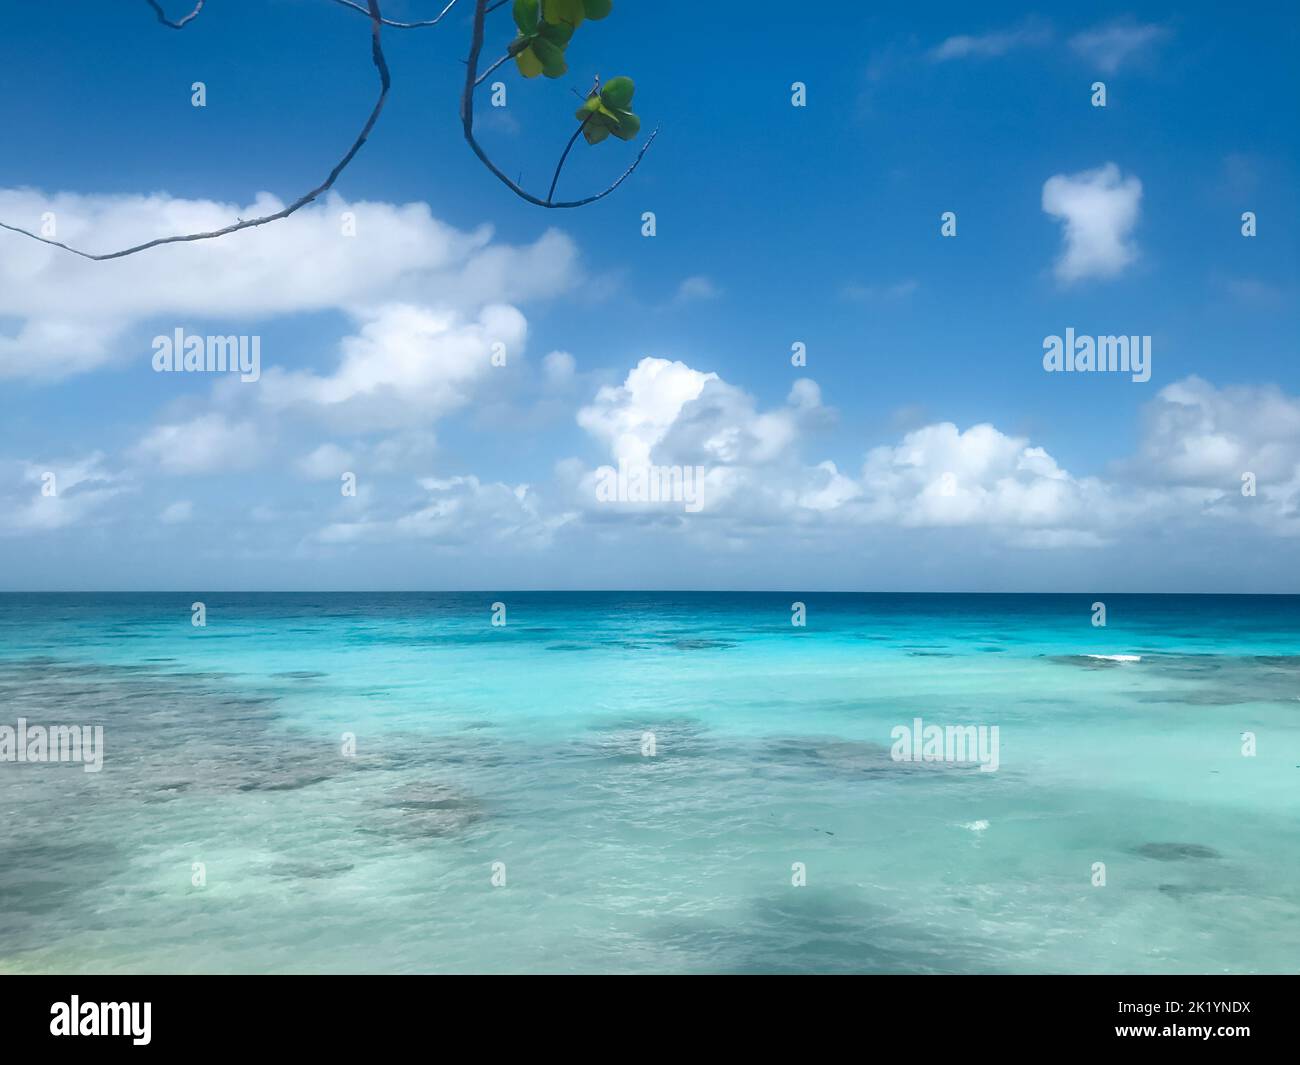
point(58, 494)
point(1111, 45)
point(697, 287)
point(327, 462)
point(558, 369)
point(1197, 434)
point(991, 45)
point(940, 475)
point(205, 444)
point(457, 513)
point(74, 315)
point(400, 452)
point(177, 513)
point(634, 417)
point(826, 488)
point(1099, 210)
point(408, 365)
point(1203, 439)
point(669, 414)
point(722, 426)
point(805, 394)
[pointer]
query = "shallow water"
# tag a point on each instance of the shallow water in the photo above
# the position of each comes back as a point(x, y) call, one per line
point(523, 745)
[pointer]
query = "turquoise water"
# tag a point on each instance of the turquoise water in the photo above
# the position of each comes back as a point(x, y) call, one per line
point(523, 745)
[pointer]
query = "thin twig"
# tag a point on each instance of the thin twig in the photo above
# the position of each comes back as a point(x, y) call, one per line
point(467, 123)
point(491, 70)
point(162, 15)
point(416, 25)
point(400, 25)
point(550, 195)
point(381, 64)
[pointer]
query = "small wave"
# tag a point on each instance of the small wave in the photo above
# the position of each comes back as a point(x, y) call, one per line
point(1116, 658)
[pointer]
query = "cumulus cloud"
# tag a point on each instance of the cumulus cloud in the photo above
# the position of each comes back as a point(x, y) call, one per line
point(1099, 209)
point(633, 417)
point(1196, 444)
point(824, 488)
point(73, 315)
point(1213, 442)
point(1111, 45)
point(668, 414)
point(407, 365)
point(1197, 434)
point(940, 475)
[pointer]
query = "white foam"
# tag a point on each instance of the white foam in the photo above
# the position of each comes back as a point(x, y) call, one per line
point(1117, 658)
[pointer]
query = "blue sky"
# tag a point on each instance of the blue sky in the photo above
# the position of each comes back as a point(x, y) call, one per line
point(933, 451)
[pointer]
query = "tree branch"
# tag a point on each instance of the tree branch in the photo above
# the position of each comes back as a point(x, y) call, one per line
point(472, 80)
point(467, 123)
point(550, 195)
point(492, 70)
point(415, 25)
point(162, 15)
point(381, 65)
point(399, 25)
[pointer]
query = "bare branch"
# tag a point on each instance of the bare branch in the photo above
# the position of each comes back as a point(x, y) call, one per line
point(399, 25)
point(414, 25)
point(381, 65)
point(162, 15)
point(550, 195)
point(492, 70)
point(467, 122)
point(377, 21)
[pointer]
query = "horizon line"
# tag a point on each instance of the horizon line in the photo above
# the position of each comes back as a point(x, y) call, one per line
point(603, 591)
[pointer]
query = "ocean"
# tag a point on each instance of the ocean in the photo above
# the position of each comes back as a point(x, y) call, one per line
point(652, 782)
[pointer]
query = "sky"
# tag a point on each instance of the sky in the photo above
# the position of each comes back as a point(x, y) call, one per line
point(805, 160)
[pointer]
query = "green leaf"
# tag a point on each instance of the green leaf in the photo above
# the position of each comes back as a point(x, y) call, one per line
point(600, 120)
point(597, 9)
point(551, 57)
point(617, 93)
point(529, 65)
point(558, 33)
point(570, 11)
point(527, 13)
point(628, 126)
